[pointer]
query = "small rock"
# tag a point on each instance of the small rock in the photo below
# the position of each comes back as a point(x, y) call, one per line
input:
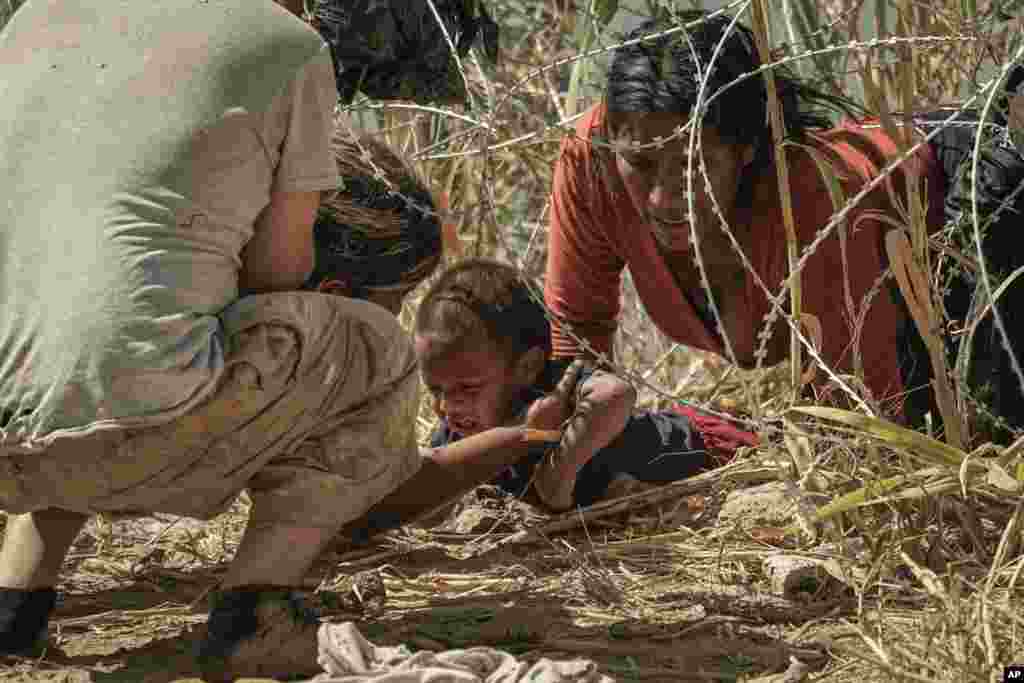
point(774, 503)
point(758, 505)
point(796, 673)
point(798, 578)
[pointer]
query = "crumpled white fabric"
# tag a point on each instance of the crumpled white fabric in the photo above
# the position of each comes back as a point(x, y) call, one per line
point(347, 657)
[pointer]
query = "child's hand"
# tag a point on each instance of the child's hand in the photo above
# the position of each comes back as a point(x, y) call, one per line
point(555, 477)
point(551, 411)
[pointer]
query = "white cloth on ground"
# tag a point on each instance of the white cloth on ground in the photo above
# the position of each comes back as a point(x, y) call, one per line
point(348, 657)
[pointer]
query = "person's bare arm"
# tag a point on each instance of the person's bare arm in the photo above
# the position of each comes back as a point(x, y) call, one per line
point(583, 275)
point(602, 408)
point(279, 257)
point(445, 474)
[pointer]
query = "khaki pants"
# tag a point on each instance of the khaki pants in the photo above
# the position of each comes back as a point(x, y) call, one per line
point(315, 414)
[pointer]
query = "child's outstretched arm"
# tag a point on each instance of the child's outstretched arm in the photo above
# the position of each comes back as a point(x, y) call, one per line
point(447, 473)
point(603, 404)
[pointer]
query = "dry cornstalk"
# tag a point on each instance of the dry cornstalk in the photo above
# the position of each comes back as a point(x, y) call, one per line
point(760, 21)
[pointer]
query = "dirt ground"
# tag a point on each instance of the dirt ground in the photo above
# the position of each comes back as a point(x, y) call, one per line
point(616, 587)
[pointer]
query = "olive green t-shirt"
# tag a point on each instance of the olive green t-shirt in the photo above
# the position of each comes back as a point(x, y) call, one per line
point(139, 141)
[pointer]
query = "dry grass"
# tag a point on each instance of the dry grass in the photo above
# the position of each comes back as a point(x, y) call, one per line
point(939, 595)
point(655, 586)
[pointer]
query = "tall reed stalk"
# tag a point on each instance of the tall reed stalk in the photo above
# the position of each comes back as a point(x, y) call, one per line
point(760, 26)
point(593, 18)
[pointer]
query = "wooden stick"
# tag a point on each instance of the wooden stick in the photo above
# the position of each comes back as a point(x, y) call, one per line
point(577, 518)
point(673, 491)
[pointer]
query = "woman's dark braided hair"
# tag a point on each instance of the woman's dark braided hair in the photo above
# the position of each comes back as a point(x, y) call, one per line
point(664, 75)
point(480, 300)
point(381, 228)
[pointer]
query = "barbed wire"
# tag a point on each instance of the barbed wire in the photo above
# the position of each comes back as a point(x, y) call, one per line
point(485, 126)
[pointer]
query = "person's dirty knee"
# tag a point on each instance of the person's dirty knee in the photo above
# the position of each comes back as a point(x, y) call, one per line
point(23, 618)
point(259, 631)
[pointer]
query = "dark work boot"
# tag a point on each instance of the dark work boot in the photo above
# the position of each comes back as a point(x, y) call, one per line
point(23, 618)
point(259, 632)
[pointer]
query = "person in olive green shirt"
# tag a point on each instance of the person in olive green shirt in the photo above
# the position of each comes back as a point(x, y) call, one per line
point(163, 163)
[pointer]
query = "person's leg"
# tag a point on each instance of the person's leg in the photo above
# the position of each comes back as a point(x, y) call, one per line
point(350, 409)
point(276, 555)
point(282, 554)
point(255, 614)
point(259, 627)
point(35, 545)
point(355, 396)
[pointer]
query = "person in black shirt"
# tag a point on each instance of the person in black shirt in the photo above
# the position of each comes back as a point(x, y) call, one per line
point(483, 344)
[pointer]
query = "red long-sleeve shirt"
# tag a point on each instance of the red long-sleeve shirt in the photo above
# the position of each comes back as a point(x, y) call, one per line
point(595, 232)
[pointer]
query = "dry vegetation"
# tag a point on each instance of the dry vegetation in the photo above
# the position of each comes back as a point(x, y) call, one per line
point(917, 543)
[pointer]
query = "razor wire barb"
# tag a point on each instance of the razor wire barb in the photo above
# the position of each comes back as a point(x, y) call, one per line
point(485, 128)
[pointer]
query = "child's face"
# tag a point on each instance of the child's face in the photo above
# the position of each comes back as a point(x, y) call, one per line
point(473, 389)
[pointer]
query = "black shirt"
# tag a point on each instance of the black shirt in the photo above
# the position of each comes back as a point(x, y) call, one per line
point(655, 446)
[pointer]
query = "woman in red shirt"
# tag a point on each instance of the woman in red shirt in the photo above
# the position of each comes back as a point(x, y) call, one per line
point(619, 200)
